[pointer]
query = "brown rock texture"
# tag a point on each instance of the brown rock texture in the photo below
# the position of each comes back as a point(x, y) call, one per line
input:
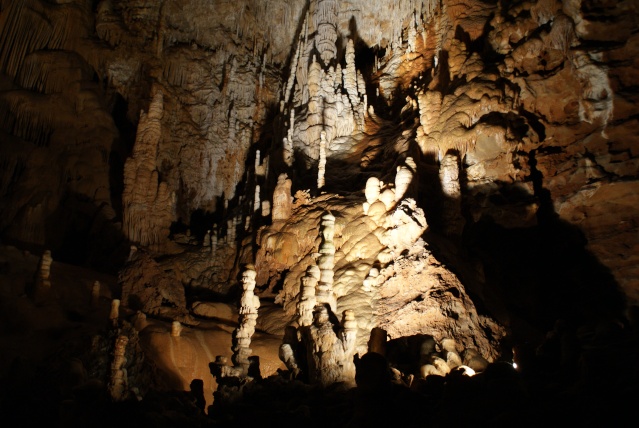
point(147, 203)
point(147, 288)
point(480, 160)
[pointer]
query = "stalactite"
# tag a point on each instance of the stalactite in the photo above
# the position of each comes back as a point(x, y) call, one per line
point(29, 116)
point(301, 75)
point(321, 166)
point(307, 300)
point(29, 25)
point(326, 19)
point(282, 200)
point(293, 69)
point(403, 178)
point(350, 74)
point(52, 72)
point(412, 35)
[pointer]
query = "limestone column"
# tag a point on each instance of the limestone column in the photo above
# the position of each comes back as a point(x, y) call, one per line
point(307, 299)
point(249, 304)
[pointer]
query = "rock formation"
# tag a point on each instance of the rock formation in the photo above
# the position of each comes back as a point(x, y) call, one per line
point(118, 386)
point(249, 304)
point(147, 201)
point(495, 143)
point(308, 298)
point(326, 263)
point(330, 354)
point(147, 287)
point(44, 270)
point(282, 200)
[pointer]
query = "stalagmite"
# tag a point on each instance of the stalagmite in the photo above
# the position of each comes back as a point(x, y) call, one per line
point(132, 250)
point(348, 337)
point(114, 315)
point(330, 354)
point(403, 178)
point(118, 381)
point(307, 298)
point(249, 304)
point(44, 270)
point(147, 201)
point(326, 263)
point(387, 196)
point(176, 329)
point(266, 208)
point(288, 350)
point(282, 199)
point(321, 166)
point(371, 192)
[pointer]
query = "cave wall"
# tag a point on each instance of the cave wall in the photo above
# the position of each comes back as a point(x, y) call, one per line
point(536, 99)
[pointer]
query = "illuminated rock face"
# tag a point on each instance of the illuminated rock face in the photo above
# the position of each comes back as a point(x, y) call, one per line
point(519, 121)
point(147, 202)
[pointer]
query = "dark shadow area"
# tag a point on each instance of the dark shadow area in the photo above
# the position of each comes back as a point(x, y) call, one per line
point(526, 275)
point(79, 233)
point(201, 222)
point(120, 150)
point(405, 353)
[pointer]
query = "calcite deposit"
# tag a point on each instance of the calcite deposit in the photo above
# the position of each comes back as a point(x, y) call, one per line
point(407, 190)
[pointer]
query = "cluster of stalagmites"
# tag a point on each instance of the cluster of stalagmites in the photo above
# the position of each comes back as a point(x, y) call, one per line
point(315, 347)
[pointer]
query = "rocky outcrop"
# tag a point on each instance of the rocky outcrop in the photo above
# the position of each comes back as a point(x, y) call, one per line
point(148, 288)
